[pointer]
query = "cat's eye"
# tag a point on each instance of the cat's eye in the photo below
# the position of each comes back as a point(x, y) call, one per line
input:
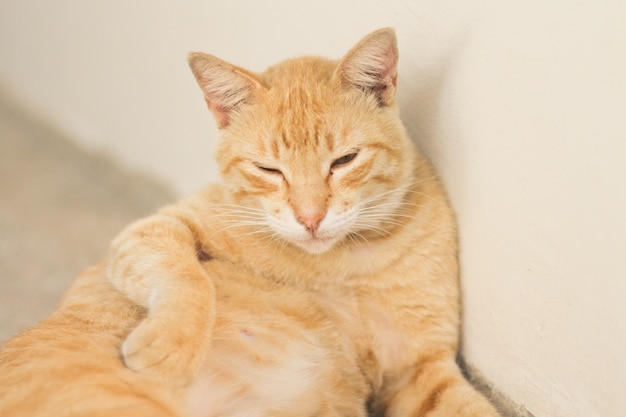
point(270, 170)
point(343, 160)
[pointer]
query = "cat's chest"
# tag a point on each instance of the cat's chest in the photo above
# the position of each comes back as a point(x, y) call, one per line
point(388, 342)
point(374, 327)
point(364, 317)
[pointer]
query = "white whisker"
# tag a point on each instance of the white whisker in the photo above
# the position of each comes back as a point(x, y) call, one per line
point(370, 227)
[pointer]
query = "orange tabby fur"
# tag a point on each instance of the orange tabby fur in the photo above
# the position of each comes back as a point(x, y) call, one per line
point(320, 279)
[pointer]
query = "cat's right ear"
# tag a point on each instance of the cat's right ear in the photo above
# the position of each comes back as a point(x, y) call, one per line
point(371, 66)
point(225, 86)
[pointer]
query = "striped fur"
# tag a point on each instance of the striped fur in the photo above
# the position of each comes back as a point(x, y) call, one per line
point(319, 280)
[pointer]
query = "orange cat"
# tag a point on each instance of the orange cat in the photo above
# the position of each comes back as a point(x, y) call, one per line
point(319, 280)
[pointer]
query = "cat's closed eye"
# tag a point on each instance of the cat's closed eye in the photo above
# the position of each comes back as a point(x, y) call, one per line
point(269, 170)
point(344, 160)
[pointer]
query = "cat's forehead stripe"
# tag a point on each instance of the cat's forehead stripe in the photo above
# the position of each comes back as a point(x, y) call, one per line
point(300, 132)
point(231, 164)
point(330, 141)
point(385, 147)
point(275, 146)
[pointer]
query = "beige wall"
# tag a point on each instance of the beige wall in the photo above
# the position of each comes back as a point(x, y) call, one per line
point(521, 105)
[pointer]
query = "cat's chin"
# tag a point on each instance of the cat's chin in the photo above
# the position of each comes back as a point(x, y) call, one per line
point(316, 245)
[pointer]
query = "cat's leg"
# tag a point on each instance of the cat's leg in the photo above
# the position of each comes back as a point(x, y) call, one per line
point(341, 408)
point(437, 388)
point(69, 364)
point(156, 263)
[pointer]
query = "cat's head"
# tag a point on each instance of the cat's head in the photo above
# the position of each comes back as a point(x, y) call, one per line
point(313, 149)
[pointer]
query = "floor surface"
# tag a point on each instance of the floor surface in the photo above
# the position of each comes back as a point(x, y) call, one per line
point(59, 208)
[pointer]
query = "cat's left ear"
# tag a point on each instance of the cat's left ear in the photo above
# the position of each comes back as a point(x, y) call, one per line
point(371, 66)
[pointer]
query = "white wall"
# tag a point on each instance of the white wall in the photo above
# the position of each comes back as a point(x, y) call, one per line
point(521, 105)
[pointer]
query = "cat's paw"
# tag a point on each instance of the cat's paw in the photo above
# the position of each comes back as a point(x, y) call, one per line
point(167, 349)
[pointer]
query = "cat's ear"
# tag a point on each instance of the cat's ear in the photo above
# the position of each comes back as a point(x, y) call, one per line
point(371, 66)
point(225, 86)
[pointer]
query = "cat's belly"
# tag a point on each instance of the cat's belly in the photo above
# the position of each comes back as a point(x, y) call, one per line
point(259, 375)
point(279, 352)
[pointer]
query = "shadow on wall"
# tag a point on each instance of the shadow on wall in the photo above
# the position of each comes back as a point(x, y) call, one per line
point(422, 100)
point(429, 117)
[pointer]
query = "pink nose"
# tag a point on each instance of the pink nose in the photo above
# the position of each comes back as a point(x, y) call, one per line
point(311, 221)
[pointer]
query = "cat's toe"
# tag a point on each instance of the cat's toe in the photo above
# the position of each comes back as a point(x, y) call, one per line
point(158, 349)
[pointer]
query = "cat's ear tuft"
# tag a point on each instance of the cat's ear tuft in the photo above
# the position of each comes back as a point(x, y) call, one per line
point(225, 86)
point(371, 66)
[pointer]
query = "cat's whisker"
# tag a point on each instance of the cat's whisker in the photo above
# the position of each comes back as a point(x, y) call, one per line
point(232, 210)
point(234, 225)
point(245, 222)
point(408, 189)
point(384, 213)
point(389, 222)
point(380, 196)
point(239, 207)
point(393, 203)
point(357, 238)
point(349, 240)
point(222, 229)
point(235, 217)
point(389, 210)
point(279, 244)
point(427, 196)
point(238, 214)
point(371, 227)
point(271, 236)
point(265, 231)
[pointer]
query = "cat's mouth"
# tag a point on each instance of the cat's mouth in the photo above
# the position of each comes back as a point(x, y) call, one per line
point(316, 244)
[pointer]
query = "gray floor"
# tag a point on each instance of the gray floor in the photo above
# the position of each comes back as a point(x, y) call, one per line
point(59, 209)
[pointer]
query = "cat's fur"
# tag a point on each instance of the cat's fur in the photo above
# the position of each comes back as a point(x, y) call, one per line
point(319, 280)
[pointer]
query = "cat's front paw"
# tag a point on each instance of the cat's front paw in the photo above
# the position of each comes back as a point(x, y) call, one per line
point(167, 349)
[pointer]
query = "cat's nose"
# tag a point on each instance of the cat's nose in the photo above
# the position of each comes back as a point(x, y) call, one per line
point(311, 220)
